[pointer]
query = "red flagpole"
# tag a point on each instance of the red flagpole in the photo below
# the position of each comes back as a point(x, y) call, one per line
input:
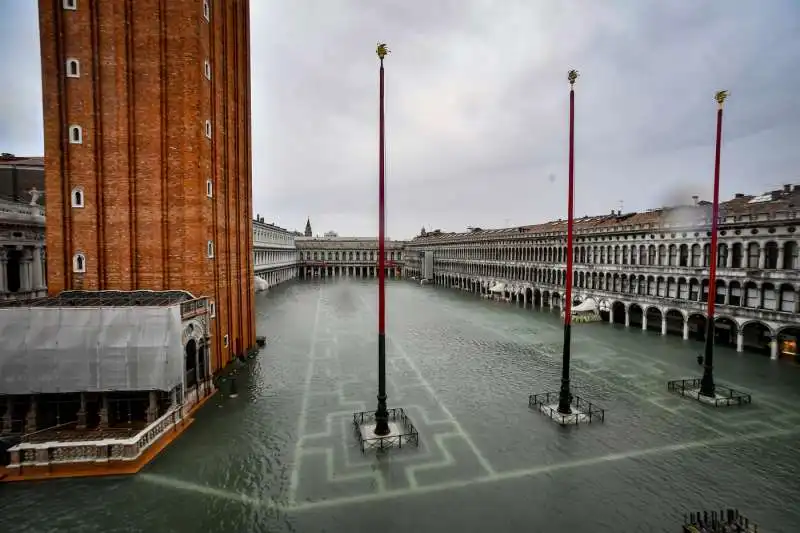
point(707, 387)
point(382, 413)
point(565, 396)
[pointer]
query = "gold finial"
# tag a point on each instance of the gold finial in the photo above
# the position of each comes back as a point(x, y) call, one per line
point(720, 97)
point(382, 50)
point(572, 75)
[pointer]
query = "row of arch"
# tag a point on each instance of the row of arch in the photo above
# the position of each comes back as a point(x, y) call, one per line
point(779, 297)
point(352, 255)
point(770, 255)
point(743, 335)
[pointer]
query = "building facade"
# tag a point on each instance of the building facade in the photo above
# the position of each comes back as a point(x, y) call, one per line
point(23, 271)
point(149, 236)
point(274, 253)
point(148, 153)
point(647, 270)
point(339, 257)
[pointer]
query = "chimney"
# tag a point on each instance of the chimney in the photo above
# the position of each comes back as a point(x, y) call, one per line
point(787, 188)
point(695, 198)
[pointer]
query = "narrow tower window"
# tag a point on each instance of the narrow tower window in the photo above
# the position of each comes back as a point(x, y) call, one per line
point(207, 9)
point(209, 188)
point(208, 129)
point(210, 249)
point(71, 4)
point(75, 134)
point(79, 263)
point(77, 197)
point(225, 340)
point(207, 68)
point(212, 308)
point(73, 68)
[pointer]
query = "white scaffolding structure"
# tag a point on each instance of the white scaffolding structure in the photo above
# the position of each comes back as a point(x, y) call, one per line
point(90, 349)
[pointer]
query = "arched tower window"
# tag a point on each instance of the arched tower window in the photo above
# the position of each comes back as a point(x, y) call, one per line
point(75, 134)
point(73, 68)
point(77, 197)
point(79, 263)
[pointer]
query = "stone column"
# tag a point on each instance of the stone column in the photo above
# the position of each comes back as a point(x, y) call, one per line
point(152, 409)
point(611, 315)
point(663, 324)
point(739, 341)
point(685, 329)
point(103, 412)
point(5, 422)
point(25, 270)
point(644, 320)
point(3, 269)
point(82, 413)
point(762, 256)
point(38, 277)
point(773, 347)
point(627, 317)
point(30, 418)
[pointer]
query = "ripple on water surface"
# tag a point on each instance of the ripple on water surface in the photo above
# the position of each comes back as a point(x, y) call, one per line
point(281, 456)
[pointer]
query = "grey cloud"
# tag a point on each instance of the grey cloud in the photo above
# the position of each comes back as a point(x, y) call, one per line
point(477, 106)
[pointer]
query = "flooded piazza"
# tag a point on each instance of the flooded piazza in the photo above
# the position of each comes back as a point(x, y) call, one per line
point(282, 456)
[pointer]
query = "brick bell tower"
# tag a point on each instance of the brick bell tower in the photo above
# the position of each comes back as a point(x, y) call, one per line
point(148, 153)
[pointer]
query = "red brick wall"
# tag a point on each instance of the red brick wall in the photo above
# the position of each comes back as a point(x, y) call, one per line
point(142, 101)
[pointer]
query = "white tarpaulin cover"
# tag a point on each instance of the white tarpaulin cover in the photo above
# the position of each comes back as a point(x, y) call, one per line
point(498, 287)
point(57, 349)
point(588, 305)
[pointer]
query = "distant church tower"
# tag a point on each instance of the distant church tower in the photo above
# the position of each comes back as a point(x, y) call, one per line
point(308, 227)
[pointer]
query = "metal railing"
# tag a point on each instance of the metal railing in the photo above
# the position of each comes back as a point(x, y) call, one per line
point(587, 411)
point(408, 436)
point(728, 521)
point(722, 395)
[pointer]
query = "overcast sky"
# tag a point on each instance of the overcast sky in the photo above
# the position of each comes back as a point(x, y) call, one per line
point(477, 106)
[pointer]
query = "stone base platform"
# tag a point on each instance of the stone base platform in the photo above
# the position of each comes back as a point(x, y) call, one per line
point(402, 432)
point(583, 411)
point(723, 397)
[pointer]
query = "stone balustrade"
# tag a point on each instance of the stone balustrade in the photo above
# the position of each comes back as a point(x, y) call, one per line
point(93, 451)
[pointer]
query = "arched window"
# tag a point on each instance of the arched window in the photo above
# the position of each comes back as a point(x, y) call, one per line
point(77, 197)
point(79, 263)
point(75, 134)
point(73, 68)
point(208, 129)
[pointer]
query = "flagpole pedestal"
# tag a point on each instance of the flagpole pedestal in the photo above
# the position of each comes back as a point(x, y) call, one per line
point(722, 397)
point(582, 411)
point(402, 433)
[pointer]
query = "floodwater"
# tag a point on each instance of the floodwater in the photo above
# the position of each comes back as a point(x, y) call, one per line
point(283, 457)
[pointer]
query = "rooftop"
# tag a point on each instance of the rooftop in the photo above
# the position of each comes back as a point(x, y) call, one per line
point(259, 220)
point(786, 200)
point(12, 160)
point(105, 299)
